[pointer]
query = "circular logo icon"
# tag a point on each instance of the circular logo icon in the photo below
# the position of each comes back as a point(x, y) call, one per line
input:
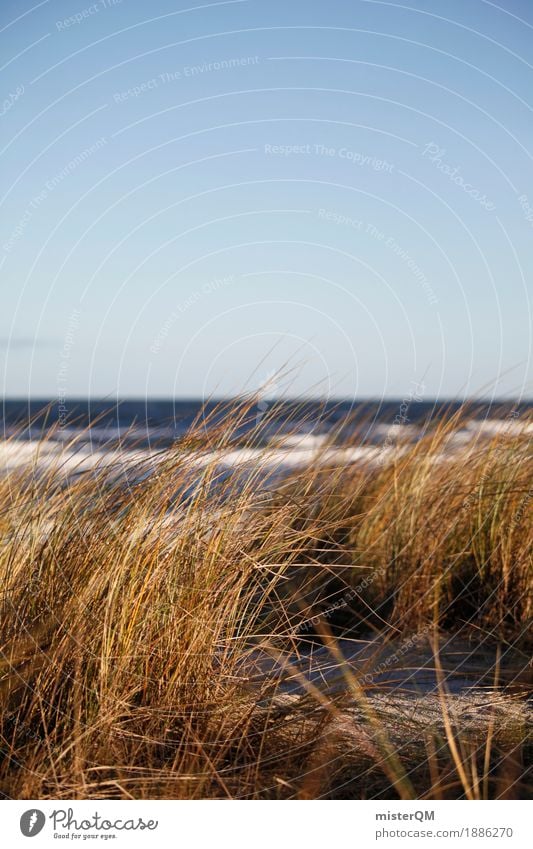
point(32, 822)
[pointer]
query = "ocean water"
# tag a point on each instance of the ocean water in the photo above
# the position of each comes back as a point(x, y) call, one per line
point(167, 420)
point(279, 434)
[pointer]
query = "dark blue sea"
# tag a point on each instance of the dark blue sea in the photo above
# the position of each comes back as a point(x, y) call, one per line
point(162, 422)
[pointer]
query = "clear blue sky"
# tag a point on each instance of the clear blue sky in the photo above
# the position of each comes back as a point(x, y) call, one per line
point(194, 194)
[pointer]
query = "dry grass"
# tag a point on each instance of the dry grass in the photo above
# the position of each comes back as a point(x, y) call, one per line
point(127, 611)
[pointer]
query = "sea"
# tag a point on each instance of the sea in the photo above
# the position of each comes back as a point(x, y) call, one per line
point(278, 433)
point(169, 419)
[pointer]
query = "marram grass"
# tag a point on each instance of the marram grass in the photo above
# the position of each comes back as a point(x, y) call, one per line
point(129, 609)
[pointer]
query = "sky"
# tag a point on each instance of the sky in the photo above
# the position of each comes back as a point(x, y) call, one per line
point(292, 198)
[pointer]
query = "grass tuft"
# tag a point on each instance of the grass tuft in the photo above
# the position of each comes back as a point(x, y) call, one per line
point(134, 606)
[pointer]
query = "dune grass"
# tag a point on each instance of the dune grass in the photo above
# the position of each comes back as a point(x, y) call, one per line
point(129, 608)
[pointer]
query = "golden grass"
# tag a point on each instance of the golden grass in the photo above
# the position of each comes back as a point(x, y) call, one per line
point(127, 610)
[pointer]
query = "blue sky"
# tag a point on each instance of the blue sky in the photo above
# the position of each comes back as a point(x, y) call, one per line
point(195, 195)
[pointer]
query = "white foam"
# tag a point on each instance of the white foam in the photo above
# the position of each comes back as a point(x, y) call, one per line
point(289, 451)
